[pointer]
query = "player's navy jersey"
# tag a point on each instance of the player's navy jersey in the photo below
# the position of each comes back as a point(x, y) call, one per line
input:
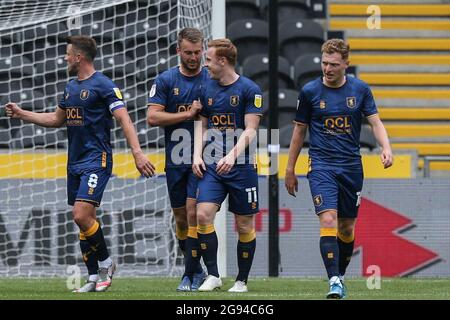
point(334, 116)
point(226, 107)
point(89, 105)
point(176, 92)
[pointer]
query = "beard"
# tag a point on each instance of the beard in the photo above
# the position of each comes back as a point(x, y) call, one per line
point(73, 70)
point(190, 66)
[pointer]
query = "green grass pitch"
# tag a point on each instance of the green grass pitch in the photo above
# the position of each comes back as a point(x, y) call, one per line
point(157, 288)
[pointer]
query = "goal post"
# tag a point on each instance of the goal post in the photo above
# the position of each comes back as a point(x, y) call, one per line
point(136, 41)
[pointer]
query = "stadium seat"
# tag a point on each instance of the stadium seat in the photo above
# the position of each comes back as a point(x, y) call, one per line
point(153, 64)
point(287, 106)
point(287, 9)
point(241, 9)
point(53, 93)
point(256, 67)
point(51, 67)
point(286, 136)
point(115, 66)
point(18, 70)
point(149, 137)
point(33, 136)
point(286, 116)
point(4, 88)
point(5, 138)
point(141, 32)
point(54, 52)
point(367, 139)
point(135, 99)
point(250, 37)
point(118, 140)
point(306, 68)
point(109, 39)
point(141, 51)
point(298, 37)
point(28, 99)
point(287, 98)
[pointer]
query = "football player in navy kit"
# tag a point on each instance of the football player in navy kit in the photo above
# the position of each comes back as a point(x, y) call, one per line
point(170, 106)
point(86, 108)
point(231, 107)
point(332, 108)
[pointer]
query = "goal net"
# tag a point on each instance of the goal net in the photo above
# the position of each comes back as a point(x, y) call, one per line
point(136, 41)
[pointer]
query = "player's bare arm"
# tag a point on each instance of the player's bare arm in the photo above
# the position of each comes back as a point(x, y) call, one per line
point(251, 128)
point(380, 133)
point(143, 165)
point(198, 165)
point(298, 136)
point(156, 115)
point(51, 119)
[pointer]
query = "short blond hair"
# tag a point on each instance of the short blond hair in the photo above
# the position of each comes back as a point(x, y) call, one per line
point(224, 48)
point(336, 45)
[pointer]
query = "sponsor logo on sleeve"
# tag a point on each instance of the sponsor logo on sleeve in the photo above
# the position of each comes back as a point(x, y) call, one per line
point(152, 91)
point(258, 100)
point(118, 93)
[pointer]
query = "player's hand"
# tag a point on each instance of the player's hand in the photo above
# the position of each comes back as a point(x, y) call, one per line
point(144, 166)
point(198, 167)
point(13, 110)
point(387, 159)
point(196, 107)
point(291, 182)
point(225, 164)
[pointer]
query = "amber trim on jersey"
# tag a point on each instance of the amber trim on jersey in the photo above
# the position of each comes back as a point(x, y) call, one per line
point(300, 123)
point(372, 115)
point(155, 104)
point(88, 201)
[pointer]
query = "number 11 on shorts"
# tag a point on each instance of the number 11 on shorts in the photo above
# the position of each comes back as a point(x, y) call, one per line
point(252, 195)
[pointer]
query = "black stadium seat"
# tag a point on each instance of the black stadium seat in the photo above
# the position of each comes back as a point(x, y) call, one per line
point(367, 139)
point(17, 70)
point(306, 68)
point(286, 136)
point(287, 106)
point(33, 136)
point(250, 37)
point(149, 137)
point(298, 37)
point(287, 9)
point(287, 98)
point(135, 99)
point(256, 67)
point(241, 9)
point(28, 99)
point(155, 63)
point(115, 66)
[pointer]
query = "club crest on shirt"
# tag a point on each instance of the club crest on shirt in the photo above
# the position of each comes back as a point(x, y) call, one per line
point(351, 102)
point(234, 101)
point(210, 101)
point(317, 200)
point(118, 93)
point(84, 94)
point(176, 91)
point(322, 104)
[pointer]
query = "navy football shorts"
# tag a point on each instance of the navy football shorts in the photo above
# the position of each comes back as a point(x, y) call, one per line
point(241, 184)
point(87, 184)
point(336, 188)
point(181, 185)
